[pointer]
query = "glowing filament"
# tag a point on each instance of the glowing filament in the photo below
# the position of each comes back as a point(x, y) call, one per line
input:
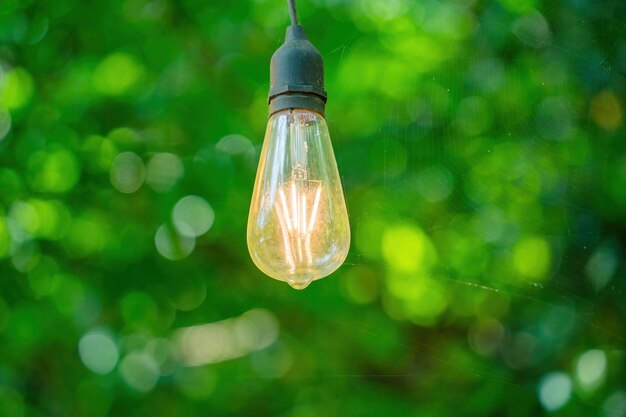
point(297, 222)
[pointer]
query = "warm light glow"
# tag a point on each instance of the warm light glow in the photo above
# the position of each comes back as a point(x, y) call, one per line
point(297, 238)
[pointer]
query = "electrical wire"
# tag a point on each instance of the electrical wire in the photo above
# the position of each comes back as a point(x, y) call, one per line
point(292, 12)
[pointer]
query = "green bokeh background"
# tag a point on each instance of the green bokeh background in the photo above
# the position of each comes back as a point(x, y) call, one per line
point(482, 150)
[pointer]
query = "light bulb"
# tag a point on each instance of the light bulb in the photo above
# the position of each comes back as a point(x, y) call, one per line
point(298, 229)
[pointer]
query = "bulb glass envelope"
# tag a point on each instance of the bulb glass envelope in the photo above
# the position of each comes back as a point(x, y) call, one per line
point(298, 229)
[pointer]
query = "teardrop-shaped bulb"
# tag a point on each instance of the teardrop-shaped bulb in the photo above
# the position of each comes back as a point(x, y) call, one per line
point(298, 229)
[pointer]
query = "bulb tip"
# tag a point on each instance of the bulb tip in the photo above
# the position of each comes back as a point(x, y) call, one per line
point(298, 285)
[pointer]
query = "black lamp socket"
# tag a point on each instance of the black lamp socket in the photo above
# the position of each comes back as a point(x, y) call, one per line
point(297, 74)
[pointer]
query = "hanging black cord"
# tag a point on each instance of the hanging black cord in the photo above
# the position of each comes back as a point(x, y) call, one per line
point(292, 12)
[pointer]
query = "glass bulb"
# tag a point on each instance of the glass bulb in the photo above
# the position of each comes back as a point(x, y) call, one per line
point(298, 229)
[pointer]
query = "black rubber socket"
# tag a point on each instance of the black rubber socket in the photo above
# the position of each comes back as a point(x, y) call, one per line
point(297, 75)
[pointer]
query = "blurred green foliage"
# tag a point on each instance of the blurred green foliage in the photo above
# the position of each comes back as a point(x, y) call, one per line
point(481, 145)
